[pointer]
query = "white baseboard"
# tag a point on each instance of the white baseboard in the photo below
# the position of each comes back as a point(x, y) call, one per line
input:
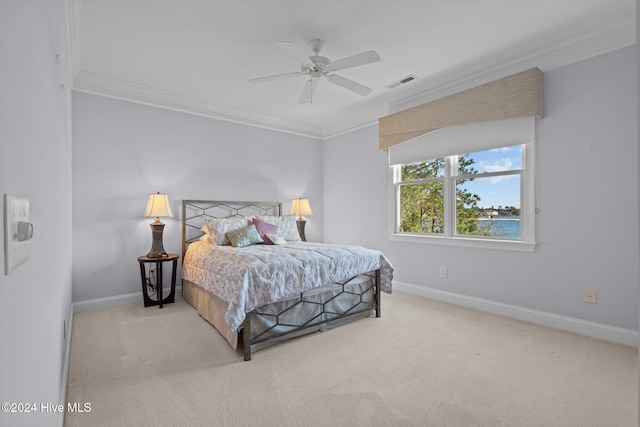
point(583, 327)
point(118, 300)
point(65, 369)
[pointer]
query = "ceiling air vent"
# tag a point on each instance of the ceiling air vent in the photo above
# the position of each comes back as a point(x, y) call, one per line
point(402, 81)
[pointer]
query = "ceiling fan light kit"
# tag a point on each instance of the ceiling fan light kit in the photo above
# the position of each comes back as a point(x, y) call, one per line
point(316, 66)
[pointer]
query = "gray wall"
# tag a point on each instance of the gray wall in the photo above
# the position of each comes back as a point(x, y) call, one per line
point(35, 162)
point(587, 228)
point(124, 151)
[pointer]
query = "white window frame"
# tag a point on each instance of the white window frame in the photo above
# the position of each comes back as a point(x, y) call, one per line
point(527, 241)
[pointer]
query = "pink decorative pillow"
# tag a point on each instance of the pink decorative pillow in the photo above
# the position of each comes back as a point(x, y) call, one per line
point(287, 226)
point(265, 228)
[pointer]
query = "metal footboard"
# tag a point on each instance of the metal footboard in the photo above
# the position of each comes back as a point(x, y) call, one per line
point(321, 312)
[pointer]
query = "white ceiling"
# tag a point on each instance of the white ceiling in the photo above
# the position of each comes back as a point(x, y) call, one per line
point(198, 55)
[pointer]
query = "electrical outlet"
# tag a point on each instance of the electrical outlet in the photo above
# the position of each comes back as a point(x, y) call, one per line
point(590, 296)
point(443, 272)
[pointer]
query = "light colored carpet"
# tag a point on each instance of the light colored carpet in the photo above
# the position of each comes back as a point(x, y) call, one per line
point(423, 363)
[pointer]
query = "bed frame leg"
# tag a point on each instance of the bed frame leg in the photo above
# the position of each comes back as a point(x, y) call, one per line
point(378, 313)
point(246, 337)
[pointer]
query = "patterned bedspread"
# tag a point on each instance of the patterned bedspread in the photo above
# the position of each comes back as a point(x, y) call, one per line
point(250, 277)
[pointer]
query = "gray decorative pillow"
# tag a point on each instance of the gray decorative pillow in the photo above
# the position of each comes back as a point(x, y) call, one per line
point(246, 236)
point(219, 227)
point(287, 227)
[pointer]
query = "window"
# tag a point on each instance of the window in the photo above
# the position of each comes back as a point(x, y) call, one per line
point(475, 198)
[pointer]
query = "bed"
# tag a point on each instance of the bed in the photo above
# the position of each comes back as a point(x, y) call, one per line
point(248, 273)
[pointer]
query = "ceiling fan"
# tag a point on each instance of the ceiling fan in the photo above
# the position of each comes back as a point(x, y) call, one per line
point(316, 66)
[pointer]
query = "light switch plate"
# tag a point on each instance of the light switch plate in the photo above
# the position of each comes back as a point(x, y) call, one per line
point(16, 209)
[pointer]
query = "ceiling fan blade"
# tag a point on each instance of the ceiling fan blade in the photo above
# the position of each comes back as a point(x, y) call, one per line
point(307, 93)
point(293, 49)
point(275, 77)
point(355, 60)
point(349, 84)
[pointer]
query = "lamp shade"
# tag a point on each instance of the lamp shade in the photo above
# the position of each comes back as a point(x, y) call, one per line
point(158, 205)
point(301, 207)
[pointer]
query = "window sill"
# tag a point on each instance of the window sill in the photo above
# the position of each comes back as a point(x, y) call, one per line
point(510, 245)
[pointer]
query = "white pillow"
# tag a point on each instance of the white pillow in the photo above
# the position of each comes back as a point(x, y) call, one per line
point(287, 226)
point(206, 237)
point(219, 227)
point(276, 240)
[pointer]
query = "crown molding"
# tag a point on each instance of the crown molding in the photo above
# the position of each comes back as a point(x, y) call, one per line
point(73, 10)
point(550, 55)
point(98, 84)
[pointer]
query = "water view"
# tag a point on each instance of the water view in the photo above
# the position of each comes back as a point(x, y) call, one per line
point(507, 226)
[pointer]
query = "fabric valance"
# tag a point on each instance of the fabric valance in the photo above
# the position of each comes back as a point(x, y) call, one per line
point(511, 97)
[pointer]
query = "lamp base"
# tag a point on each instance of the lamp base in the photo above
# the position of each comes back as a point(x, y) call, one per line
point(157, 248)
point(301, 223)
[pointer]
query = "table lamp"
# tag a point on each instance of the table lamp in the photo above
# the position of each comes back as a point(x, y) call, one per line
point(157, 205)
point(301, 207)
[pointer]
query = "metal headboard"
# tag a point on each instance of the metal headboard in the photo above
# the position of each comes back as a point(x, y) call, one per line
point(195, 212)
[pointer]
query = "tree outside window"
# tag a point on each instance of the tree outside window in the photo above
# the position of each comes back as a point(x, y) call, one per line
point(478, 192)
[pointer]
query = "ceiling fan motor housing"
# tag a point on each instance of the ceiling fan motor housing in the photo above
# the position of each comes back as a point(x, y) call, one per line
point(320, 66)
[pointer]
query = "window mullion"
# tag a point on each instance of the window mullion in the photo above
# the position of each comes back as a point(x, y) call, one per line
point(450, 170)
